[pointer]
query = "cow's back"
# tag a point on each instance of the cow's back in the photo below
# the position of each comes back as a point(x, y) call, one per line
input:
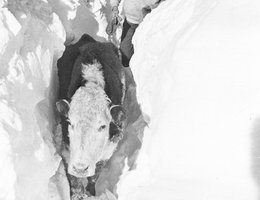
point(66, 62)
point(107, 55)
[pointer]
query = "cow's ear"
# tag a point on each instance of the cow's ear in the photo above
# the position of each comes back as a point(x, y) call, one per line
point(63, 107)
point(118, 115)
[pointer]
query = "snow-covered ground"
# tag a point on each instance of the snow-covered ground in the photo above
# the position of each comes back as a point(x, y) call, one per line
point(196, 65)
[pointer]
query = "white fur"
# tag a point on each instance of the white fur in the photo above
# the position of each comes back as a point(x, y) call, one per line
point(91, 98)
point(93, 73)
point(89, 109)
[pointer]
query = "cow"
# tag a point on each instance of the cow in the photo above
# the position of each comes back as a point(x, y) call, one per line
point(90, 119)
point(90, 78)
point(87, 51)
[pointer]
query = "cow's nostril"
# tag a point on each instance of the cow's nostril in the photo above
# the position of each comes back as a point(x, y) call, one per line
point(86, 169)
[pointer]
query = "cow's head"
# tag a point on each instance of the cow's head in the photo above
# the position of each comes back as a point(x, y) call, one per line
point(90, 117)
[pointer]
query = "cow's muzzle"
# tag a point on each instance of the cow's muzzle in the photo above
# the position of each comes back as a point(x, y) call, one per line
point(80, 170)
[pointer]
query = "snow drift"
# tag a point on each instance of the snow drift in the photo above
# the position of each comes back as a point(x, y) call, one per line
point(198, 81)
point(32, 39)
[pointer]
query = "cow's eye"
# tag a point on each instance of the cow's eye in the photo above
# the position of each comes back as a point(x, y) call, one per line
point(101, 128)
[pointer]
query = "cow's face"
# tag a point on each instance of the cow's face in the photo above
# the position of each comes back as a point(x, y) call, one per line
point(87, 144)
point(90, 119)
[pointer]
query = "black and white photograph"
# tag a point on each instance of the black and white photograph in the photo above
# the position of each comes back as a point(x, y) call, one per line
point(129, 100)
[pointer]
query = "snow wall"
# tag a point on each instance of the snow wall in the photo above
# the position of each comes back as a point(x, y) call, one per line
point(196, 65)
point(31, 41)
point(197, 72)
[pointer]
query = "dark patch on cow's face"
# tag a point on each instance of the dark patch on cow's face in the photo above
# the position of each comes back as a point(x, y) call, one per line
point(118, 123)
point(113, 130)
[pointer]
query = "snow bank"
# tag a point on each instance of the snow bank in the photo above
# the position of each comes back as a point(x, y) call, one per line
point(32, 38)
point(198, 82)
